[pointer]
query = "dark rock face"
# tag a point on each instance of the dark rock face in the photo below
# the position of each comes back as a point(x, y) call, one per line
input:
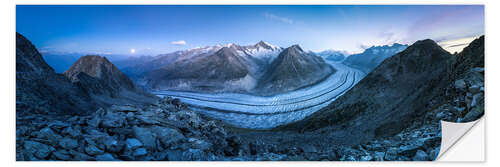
point(373, 56)
point(293, 69)
point(391, 96)
point(99, 76)
point(39, 89)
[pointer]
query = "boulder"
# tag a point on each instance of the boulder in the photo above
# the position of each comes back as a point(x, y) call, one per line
point(80, 156)
point(366, 158)
point(105, 157)
point(147, 138)
point(124, 108)
point(37, 149)
point(309, 149)
point(421, 156)
point(49, 135)
point(379, 156)
point(167, 136)
point(62, 155)
point(113, 120)
point(111, 144)
point(70, 131)
point(460, 84)
point(391, 154)
point(93, 150)
point(140, 152)
point(132, 143)
point(68, 143)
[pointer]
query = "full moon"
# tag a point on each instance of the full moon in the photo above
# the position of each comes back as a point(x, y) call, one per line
point(132, 51)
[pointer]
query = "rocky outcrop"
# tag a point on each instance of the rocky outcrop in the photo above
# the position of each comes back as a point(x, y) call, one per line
point(293, 69)
point(99, 76)
point(40, 90)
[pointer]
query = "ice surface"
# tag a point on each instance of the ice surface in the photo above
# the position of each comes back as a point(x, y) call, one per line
point(265, 112)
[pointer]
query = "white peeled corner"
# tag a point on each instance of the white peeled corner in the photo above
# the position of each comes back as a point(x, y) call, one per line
point(462, 141)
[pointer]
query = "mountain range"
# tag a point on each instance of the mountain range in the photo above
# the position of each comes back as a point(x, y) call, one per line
point(232, 68)
point(373, 56)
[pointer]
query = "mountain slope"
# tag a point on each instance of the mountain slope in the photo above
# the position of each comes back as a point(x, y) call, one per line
point(293, 69)
point(40, 90)
point(388, 98)
point(98, 76)
point(205, 72)
point(373, 56)
point(101, 69)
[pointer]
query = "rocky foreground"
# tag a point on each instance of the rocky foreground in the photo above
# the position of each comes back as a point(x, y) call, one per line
point(168, 130)
point(163, 131)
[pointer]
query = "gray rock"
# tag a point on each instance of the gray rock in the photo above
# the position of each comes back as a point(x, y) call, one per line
point(378, 156)
point(112, 145)
point(391, 154)
point(309, 149)
point(105, 157)
point(52, 137)
point(37, 149)
point(174, 155)
point(200, 144)
point(421, 156)
point(62, 155)
point(147, 138)
point(474, 114)
point(80, 156)
point(475, 89)
point(434, 153)
point(132, 143)
point(113, 120)
point(460, 84)
point(124, 108)
point(167, 136)
point(71, 132)
point(94, 122)
point(68, 143)
point(140, 152)
point(93, 150)
point(366, 158)
point(332, 156)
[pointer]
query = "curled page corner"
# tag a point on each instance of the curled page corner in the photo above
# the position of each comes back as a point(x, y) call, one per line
point(451, 133)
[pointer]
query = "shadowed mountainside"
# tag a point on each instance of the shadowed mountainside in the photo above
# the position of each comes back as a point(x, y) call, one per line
point(41, 90)
point(389, 97)
point(293, 69)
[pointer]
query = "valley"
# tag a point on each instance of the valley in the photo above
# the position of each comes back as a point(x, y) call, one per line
point(265, 112)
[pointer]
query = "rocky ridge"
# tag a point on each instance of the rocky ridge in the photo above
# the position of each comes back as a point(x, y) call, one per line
point(293, 69)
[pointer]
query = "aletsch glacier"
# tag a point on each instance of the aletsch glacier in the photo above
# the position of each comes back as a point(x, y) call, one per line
point(252, 110)
point(265, 112)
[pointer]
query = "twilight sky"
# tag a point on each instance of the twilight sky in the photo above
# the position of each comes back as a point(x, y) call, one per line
point(151, 30)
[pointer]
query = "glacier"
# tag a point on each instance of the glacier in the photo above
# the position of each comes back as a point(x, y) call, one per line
point(266, 112)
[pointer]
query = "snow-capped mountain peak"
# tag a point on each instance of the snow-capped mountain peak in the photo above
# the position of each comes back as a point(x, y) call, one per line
point(265, 45)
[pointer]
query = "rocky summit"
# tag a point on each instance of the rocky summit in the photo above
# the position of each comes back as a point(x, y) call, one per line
point(100, 78)
point(40, 90)
point(294, 69)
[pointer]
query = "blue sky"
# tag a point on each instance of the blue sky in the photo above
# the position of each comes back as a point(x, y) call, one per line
point(151, 30)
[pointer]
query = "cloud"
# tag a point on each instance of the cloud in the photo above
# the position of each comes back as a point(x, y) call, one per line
point(181, 42)
point(278, 18)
